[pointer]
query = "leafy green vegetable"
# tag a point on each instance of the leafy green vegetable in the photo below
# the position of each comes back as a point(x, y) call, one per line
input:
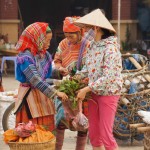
point(70, 87)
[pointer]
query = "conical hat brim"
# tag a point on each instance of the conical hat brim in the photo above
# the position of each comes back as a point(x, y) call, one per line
point(95, 18)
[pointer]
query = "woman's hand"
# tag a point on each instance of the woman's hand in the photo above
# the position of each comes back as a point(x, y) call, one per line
point(82, 93)
point(63, 71)
point(57, 82)
point(62, 95)
point(85, 80)
point(77, 77)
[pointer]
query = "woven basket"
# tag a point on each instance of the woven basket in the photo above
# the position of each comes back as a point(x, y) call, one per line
point(127, 114)
point(143, 62)
point(50, 145)
point(142, 80)
point(143, 128)
point(147, 140)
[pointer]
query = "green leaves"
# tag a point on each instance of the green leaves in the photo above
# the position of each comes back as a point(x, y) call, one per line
point(70, 87)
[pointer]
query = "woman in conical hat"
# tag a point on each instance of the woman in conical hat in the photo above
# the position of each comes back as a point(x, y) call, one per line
point(103, 67)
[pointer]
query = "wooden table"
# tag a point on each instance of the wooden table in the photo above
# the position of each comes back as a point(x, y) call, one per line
point(8, 52)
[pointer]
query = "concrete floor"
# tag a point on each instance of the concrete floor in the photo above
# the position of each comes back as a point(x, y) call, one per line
point(10, 83)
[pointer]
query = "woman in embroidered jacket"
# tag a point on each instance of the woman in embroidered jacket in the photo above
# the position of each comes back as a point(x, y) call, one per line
point(70, 57)
point(103, 67)
point(33, 68)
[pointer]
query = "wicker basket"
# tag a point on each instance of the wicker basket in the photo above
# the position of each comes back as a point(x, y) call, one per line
point(147, 140)
point(143, 128)
point(142, 63)
point(142, 80)
point(50, 145)
point(129, 103)
point(127, 114)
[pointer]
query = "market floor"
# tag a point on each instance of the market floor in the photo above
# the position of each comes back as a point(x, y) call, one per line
point(10, 83)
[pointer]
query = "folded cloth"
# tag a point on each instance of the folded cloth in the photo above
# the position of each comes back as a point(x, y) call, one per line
point(133, 88)
point(143, 113)
point(145, 116)
point(147, 119)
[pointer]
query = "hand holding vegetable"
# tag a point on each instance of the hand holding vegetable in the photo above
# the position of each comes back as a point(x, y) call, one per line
point(62, 95)
point(63, 71)
point(82, 93)
point(70, 87)
point(77, 77)
point(57, 82)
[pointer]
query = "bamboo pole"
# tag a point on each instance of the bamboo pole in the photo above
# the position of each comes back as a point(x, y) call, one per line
point(135, 63)
point(143, 129)
point(147, 77)
point(138, 66)
point(125, 101)
point(137, 125)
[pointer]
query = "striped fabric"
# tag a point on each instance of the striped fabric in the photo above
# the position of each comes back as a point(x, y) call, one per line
point(28, 72)
point(68, 25)
point(41, 108)
point(33, 38)
point(60, 111)
point(89, 35)
point(39, 104)
point(67, 57)
point(36, 81)
point(46, 121)
point(67, 54)
point(33, 68)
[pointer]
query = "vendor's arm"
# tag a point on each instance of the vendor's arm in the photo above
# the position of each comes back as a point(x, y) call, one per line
point(58, 62)
point(82, 93)
point(58, 58)
point(32, 76)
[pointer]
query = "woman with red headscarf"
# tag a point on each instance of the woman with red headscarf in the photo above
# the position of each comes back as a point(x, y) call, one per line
point(70, 57)
point(33, 68)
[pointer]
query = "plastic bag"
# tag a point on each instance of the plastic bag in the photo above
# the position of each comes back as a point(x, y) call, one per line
point(25, 130)
point(80, 122)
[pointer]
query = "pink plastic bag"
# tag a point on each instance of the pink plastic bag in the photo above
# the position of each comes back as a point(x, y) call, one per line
point(25, 130)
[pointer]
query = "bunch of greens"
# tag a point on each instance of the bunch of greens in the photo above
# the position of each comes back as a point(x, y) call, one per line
point(70, 87)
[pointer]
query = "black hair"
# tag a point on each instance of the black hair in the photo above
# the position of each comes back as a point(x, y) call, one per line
point(107, 33)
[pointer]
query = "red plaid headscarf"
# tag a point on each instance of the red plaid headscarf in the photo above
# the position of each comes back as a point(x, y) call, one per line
point(69, 26)
point(33, 38)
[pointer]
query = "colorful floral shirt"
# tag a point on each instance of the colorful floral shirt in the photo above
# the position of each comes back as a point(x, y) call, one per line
point(104, 66)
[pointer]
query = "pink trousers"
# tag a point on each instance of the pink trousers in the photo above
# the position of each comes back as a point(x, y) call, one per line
point(102, 111)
